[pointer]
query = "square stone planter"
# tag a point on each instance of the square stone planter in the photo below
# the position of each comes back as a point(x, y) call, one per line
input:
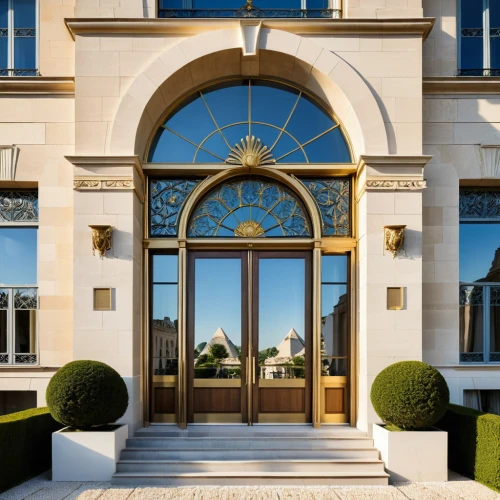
point(87, 456)
point(418, 456)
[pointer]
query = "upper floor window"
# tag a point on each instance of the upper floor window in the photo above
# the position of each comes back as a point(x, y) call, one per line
point(18, 37)
point(18, 277)
point(250, 123)
point(250, 8)
point(479, 276)
point(479, 40)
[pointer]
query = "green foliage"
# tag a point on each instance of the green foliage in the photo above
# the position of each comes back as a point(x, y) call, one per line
point(203, 359)
point(25, 445)
point(270, 352)
point(410, 395)
point(218, 352)
point(83, 394)
point(298, 361)
point(473, 444)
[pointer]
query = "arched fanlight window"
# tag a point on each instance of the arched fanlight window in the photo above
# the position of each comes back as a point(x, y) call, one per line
point(252, 123)
point(250, 208)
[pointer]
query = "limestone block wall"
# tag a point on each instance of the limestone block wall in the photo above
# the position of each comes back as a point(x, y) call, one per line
point(383, 9)
point(453, 128)
point(121, 9)
point(440, 48)
point(56, 47)
point(43, 128)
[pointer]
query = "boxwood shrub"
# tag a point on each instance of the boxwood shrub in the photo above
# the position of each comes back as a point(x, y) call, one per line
point(25, 445)
point(473, 444)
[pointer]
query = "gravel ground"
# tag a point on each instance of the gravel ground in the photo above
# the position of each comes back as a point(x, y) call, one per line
point(458, 487)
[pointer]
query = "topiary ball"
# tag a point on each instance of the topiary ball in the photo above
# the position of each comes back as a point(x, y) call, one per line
point(83, 394)
point(410, 395)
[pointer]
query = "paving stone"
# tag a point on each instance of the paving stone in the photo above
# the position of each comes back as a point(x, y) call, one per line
point(369, 493)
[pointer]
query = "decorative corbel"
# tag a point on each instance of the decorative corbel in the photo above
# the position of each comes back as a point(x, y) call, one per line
point(394, 237)
point(101, 239)
point(8, 162)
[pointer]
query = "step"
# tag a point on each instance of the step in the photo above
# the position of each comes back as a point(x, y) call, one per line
point(244, 443)
point(245, 466)
point(225, 478)
point(246, 454)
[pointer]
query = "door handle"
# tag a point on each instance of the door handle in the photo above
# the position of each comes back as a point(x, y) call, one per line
point(248, 368)
point(253, 370)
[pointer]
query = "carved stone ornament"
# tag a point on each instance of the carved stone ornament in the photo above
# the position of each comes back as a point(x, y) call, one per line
point(394, 237)
point(101, 239)
point(396, 184)
point(489, 160)
point(8, 162)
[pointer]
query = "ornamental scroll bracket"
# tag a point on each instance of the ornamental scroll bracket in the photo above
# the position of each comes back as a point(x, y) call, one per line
point(394, 237)
point(101, 239)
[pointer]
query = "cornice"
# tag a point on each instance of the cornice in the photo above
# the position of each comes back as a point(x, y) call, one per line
point(394, 161)
point(413, 26)
point(107, 162)
point(37, 85)
point(461, 85)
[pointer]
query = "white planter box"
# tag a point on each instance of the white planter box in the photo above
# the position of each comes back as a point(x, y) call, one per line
point(413, 456)
point(87, 456)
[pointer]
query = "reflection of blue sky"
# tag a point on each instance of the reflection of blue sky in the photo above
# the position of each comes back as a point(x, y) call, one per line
point(165, 302)
point(18, 256)
point(478, 243)
point(227, 106)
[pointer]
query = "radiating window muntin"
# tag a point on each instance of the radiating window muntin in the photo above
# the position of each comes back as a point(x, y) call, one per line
point(294, 126)
point(250, 208)
point(479, 259)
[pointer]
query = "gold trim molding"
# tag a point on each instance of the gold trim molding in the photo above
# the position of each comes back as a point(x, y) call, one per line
point(183, 27)
point(37, 85)
point(461, 85)
point(100, 184)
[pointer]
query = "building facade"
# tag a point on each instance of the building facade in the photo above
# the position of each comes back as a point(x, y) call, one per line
point(250, 210)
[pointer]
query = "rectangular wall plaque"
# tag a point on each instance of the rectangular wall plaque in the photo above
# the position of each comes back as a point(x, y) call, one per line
point(395, 298)
point(102, 299)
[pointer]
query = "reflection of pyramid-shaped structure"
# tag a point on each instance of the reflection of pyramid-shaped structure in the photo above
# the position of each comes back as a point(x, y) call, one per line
point(291, 345)
point(221, 338)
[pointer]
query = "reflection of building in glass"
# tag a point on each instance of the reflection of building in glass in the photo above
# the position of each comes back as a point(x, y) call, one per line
point(165, 346)
point(282, 364)
point(334, 339)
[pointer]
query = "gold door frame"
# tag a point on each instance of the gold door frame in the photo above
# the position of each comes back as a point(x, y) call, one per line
point(318, 245)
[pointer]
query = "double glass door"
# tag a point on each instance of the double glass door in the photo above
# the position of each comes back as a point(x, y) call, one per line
point(249, 337)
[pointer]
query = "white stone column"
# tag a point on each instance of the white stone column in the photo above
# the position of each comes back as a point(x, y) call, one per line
point(389, 192)
point(110, 191)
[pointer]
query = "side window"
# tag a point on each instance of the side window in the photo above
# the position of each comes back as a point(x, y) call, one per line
point(18, 37)
point(479, 40)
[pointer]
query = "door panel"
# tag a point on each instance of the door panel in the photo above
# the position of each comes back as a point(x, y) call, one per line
point(217, 337)
point(282, 337)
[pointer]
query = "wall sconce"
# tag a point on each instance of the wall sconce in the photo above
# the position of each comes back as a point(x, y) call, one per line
point(101, 239)
point(394, 238)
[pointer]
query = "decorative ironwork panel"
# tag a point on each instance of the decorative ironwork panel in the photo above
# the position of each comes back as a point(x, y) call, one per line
point(471, 295)
point(19, 206)
point(494, 357)
point(472, 357)
point(494, 32)
point(27, 359)
point(167, 197)
point(4, 358)
point(479, 72)
point(4, 32)
point(250, 209)
point(25, 298)
point(4, 298)
point(25, 32)
point(252, 13)
point(333, 199)
point(495, 296)
point(472, 32)
point(479, 204)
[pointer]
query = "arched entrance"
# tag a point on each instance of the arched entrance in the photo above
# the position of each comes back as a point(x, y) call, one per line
point(249, 268)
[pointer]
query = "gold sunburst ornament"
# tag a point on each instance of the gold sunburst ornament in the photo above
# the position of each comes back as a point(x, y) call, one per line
point(250, 153)
point(249, 229)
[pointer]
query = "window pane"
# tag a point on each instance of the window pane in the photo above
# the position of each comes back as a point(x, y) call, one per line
point(334, 269)
point(331, 147)
point(272, 102)
point(25, 328)
point(165, 268)
point(3, 331)
point(18, 251)
point(277, 4)
point(171, 4)
point(472, 13)
point(165, 330)
point(495, 52)
point(217, 4)
point(478, 248)
point(495, 324)
point(4, 60)
point(317, 4)
point(228, 102)
point(494, 14)
point(168, 147)
point(4, 19)
point(472, 53)
point(24, 13)
point(471, 324)
point(24, 52)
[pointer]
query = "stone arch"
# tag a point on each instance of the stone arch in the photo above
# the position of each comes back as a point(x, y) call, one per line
point(218, 54)
point(288, 181)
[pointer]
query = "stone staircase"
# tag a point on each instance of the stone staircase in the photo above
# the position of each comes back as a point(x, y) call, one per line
point(242, 455)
